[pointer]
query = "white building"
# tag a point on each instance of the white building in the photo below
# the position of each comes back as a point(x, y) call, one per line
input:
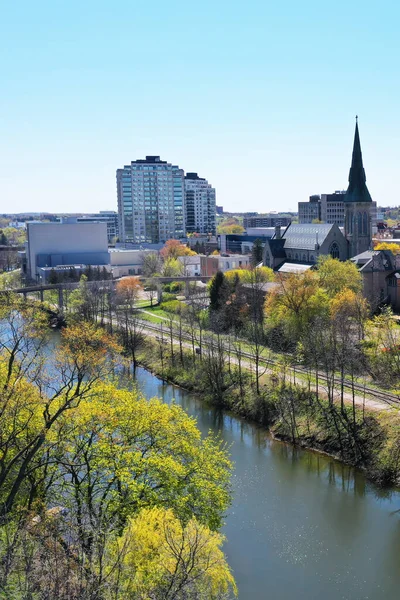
point(60, 244)
point(191, 265)
point(200, 205)
point(126, 262)
point(211, 264)
point(151, 203)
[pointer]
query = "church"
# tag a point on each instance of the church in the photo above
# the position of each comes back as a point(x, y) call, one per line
point(298, 247)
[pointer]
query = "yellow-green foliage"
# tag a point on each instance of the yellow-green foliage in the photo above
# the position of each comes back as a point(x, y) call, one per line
point(258, 275)
point(148, 453)
point(160, 554)
point(334, 276)
point(303, 299)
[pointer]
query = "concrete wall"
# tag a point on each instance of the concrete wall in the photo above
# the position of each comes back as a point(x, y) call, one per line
point(76, 240)
point(126, 257)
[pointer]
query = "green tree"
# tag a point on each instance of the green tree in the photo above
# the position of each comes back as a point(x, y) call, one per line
point(53, 277)
point(257, 252)
point(335, 276)
point(172, 267)
point(216, 291)
point(29, 414)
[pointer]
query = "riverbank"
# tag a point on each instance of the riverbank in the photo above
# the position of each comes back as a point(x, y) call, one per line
point(358, 436)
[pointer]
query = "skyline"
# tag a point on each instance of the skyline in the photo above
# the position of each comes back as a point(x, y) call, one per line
point(261, 102)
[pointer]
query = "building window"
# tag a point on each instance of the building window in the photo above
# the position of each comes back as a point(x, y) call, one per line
point(334, 250)
point(365, 224)
point(359, 224)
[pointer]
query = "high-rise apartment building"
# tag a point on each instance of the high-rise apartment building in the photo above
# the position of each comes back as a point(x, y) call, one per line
point(200, 205)
point(151, 201)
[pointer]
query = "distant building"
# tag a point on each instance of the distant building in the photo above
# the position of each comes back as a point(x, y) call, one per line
point(359, 207)
point(267, 220)
point(242, 243)
point(203, 244)
point(380, 270)
point(303, 244)
point(124, 262)
point(17, 224)
point(219, 210)
point(191, 265)
point(332, 208)
point(310, 211)
point(53, 245)
point(211, 264)
point(108, 217)
point(151, 203)
point(199, 205)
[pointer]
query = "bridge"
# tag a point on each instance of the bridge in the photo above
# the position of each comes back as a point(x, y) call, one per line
point(61, 287)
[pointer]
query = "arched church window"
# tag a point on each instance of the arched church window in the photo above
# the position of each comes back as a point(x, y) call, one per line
point(359, 224)
point(365, 224)
point(334, 250)
point(350, 223)
point(297, 256)
point(304, 258)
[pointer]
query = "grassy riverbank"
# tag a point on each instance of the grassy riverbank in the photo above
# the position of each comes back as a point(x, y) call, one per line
point(359, 436)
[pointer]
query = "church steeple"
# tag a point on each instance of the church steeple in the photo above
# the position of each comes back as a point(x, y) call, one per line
point(358, 205)
point(357, 190)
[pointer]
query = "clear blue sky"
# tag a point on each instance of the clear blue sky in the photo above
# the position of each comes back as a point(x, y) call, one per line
point(259, 97)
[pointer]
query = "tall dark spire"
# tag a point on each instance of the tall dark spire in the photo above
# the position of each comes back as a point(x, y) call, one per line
point(357, 190)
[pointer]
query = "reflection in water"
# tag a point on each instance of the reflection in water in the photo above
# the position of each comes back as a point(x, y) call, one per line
point(301, 525)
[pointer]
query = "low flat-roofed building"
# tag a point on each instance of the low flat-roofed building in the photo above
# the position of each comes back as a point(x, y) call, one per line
point(127, 261)
point(211, 264)
point(56, 244)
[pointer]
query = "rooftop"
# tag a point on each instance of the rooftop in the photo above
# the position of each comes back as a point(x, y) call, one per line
point(289, 267)
point(306, 236)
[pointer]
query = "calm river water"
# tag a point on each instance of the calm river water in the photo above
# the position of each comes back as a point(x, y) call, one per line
point(301, 526)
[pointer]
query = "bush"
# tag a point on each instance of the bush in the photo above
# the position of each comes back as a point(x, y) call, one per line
point(166, 296)
point(173, 306)
point(174, 287)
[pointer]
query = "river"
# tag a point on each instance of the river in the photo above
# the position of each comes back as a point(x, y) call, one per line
point(301, 526)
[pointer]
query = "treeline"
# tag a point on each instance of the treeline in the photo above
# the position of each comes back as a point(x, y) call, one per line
point(294, 354)
point(103, 494)
point(296, 361)
point(72, 274)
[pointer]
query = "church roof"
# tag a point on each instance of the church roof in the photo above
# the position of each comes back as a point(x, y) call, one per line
point(357, 190)
point(374, 260)
point(276, 247)
point(305, 237)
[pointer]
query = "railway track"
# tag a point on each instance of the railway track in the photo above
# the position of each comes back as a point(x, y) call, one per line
point(363, 391)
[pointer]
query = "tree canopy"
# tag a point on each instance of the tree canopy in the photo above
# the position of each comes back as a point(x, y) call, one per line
point(84, 464)
point(174, 249)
